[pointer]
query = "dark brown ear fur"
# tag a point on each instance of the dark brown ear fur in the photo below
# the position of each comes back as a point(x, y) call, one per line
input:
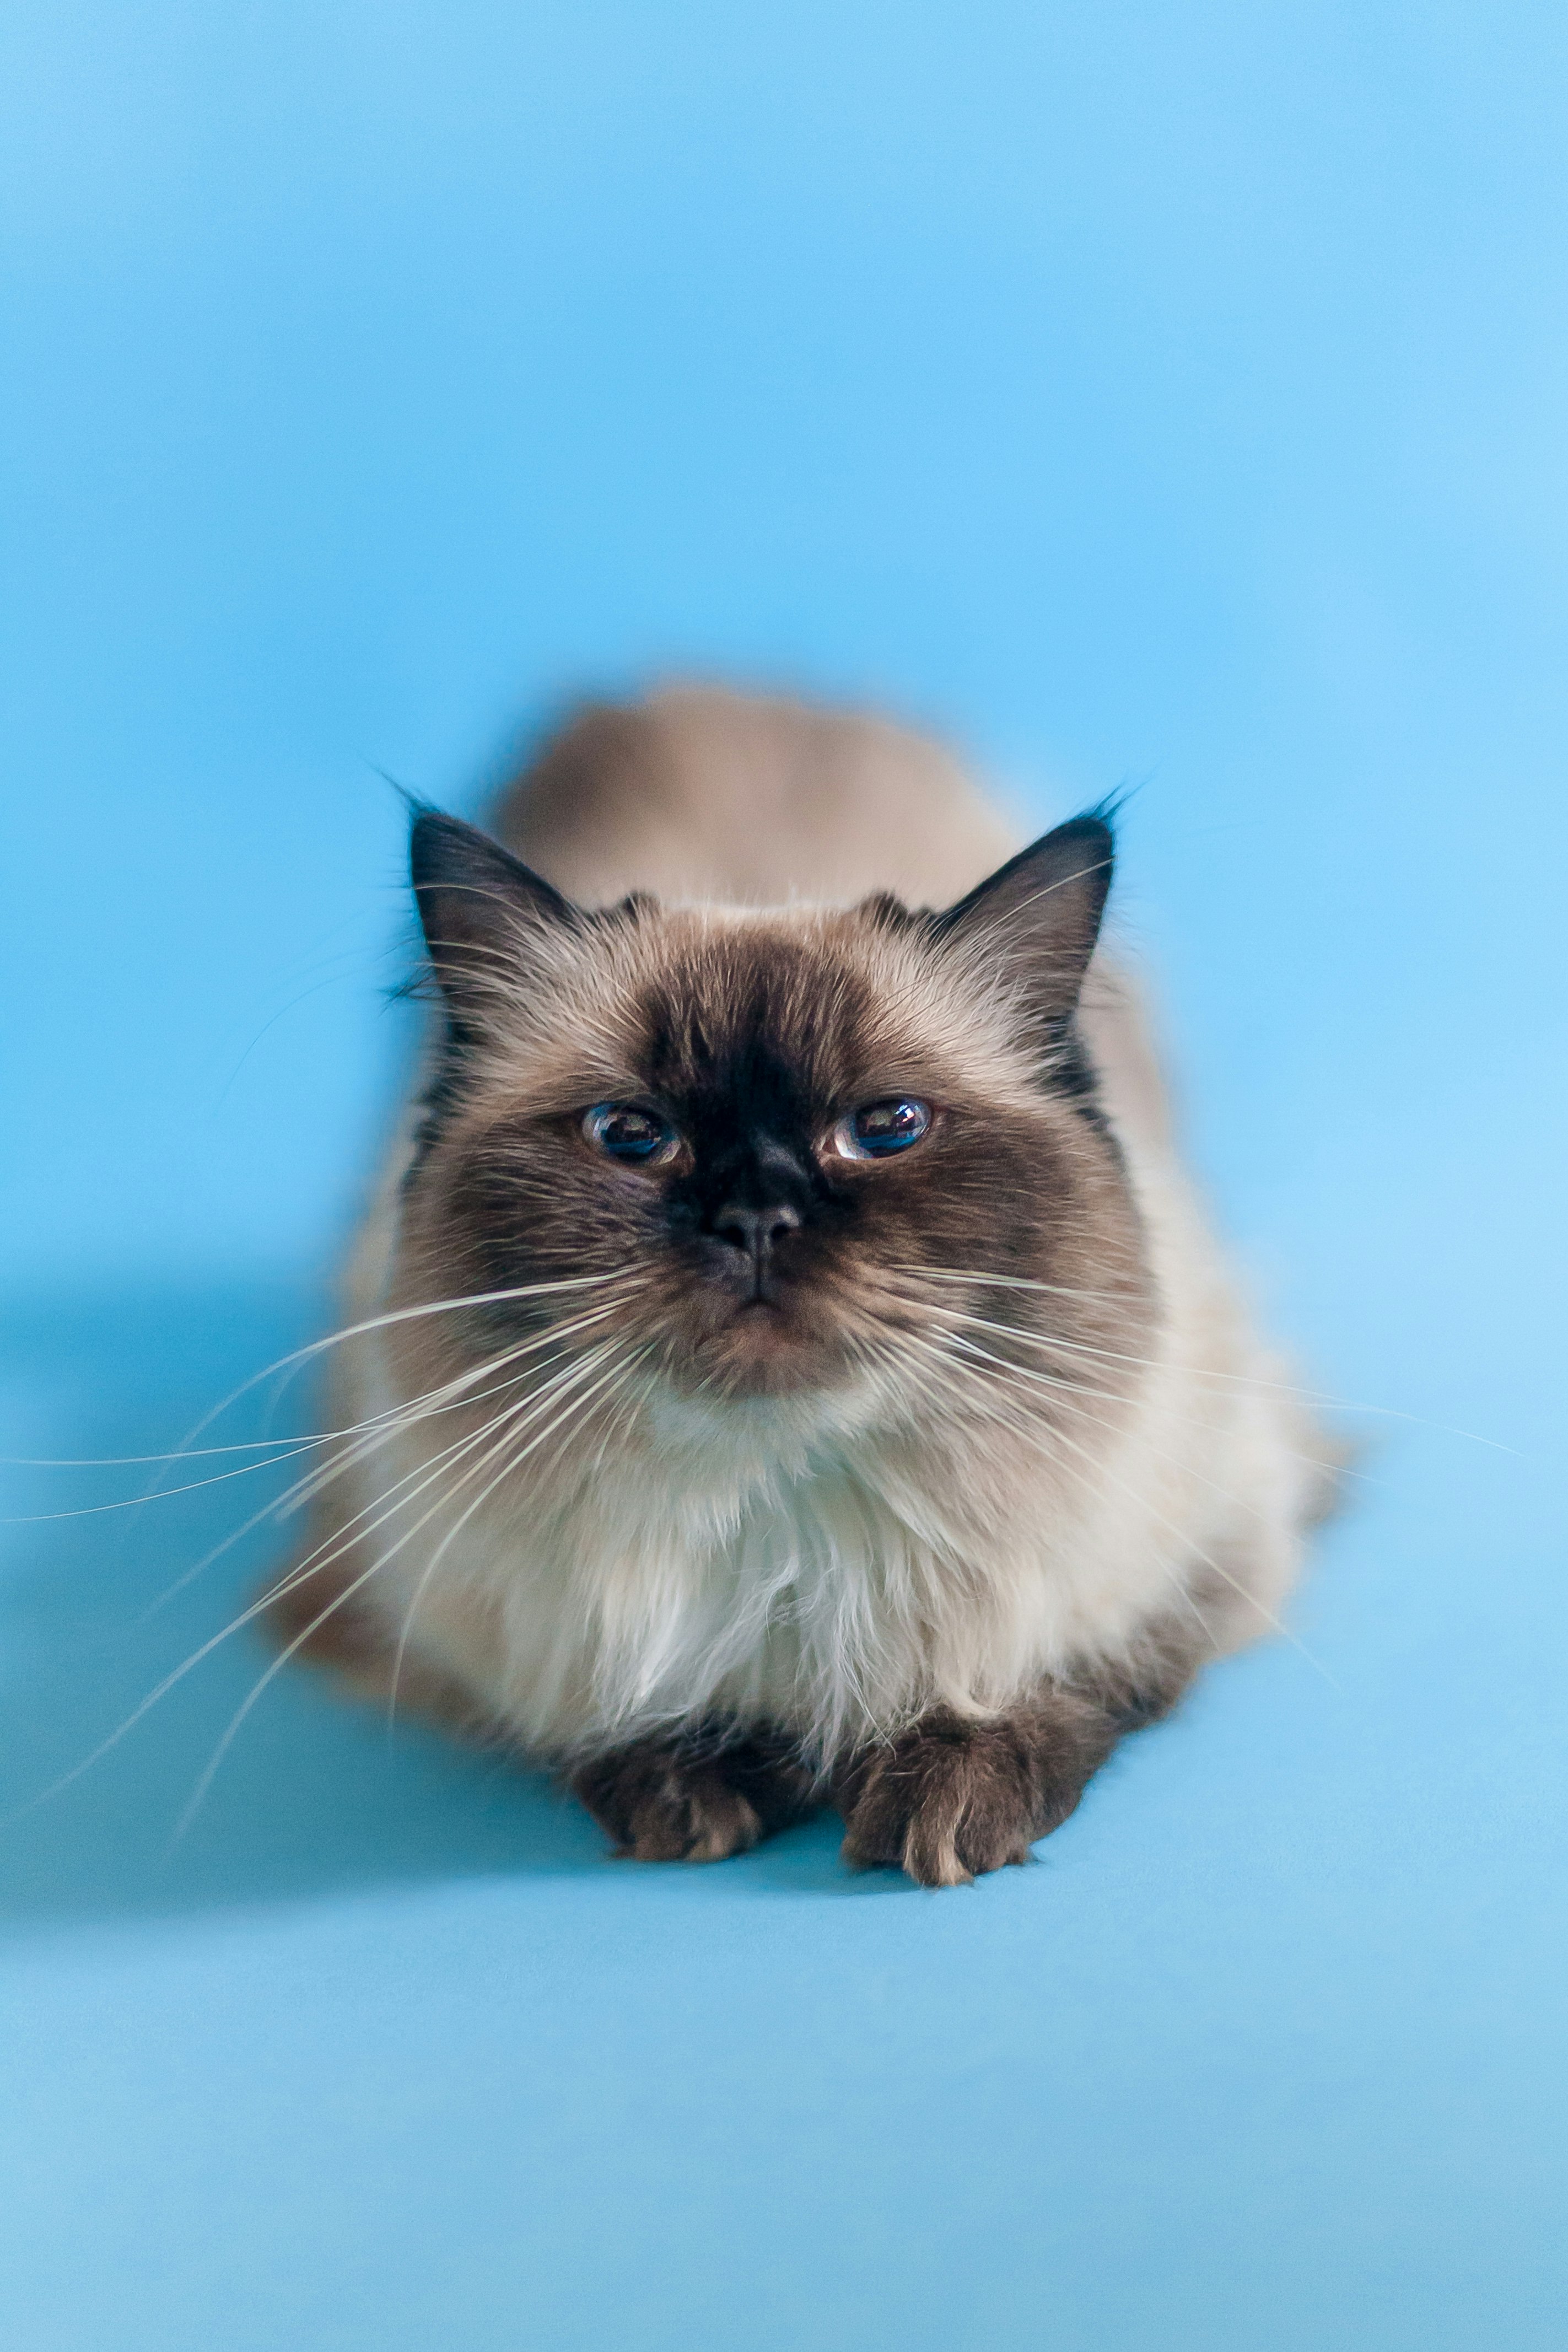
point(1038, 915)
point(475, 900)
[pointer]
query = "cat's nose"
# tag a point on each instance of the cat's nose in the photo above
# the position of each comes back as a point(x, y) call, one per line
point(755, 1232)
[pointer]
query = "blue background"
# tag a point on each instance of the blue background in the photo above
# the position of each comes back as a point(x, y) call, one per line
point(1172, 395)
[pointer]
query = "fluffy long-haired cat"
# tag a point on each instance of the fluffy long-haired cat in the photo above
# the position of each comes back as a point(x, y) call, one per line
point(793, 1367)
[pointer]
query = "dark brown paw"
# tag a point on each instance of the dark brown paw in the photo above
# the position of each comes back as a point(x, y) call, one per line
point(660, 1802)
point(950, 1799)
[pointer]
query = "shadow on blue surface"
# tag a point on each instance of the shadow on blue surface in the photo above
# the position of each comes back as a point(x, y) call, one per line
point(314, 1795)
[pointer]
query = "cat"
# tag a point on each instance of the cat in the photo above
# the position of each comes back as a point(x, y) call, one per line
point(790, 1368)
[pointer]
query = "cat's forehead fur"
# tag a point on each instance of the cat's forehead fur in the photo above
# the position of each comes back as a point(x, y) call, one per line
point(673, 1001)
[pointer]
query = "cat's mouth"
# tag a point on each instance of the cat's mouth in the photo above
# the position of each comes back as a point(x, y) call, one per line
point(763, 1344)
point(760, 1321)
point(763, 1321)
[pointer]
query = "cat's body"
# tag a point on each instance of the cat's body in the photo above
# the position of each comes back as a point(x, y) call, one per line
point(812, 1459)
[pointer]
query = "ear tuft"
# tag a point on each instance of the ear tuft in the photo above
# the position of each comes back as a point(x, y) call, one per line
point(1038, 917)
point(886, 911)
point(476, 902)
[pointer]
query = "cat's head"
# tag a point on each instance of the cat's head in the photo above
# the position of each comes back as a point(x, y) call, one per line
point(763, 1154)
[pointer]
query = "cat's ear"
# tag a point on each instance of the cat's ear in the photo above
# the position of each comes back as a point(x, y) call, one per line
point(1038, 917)
point(481, 908)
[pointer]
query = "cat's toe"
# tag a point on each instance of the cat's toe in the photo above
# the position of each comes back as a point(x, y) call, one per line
point(945, 1803)
point(880, 1818)
point(660, 1807)
point(695, 1819)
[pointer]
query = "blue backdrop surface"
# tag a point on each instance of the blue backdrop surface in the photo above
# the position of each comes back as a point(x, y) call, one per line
point(1138, 394)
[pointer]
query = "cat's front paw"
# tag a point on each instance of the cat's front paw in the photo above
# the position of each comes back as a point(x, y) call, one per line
point(663, 1802)
point(951, 1798)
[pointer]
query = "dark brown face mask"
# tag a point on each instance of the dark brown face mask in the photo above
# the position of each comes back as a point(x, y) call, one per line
point(782, 1145)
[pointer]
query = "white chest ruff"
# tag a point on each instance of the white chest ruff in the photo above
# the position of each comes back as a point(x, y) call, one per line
point(828, 1595)
point(738, 1568)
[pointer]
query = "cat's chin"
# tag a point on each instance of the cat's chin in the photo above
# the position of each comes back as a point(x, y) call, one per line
point(763, 1350)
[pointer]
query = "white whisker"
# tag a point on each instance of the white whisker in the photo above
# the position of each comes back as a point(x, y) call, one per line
point(377, 1431)
point(333, 1606)
point(1079, 1387)
point(619, 1374)
point(279, 1449)
point(290, 1364)
point(1033, 1427)
point(381, 1429)
point(424, 1473)
point(263, 1602)
point(1142, 1501)
point(1245, 1380)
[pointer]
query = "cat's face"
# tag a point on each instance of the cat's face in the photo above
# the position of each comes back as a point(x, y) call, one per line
point(762, 1151)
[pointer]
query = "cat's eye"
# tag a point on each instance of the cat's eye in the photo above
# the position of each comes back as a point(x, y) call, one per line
point(880, 1129)
point(626, 1131)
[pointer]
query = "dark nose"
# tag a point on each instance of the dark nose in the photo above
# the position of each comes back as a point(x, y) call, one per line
point(755, 1232)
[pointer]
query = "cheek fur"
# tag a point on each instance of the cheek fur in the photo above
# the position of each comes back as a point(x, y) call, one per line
point(528, 1201)
point(988, 1194)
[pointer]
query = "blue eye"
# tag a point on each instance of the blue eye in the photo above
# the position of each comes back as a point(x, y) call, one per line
point(622, 1131)
point(880, 1129)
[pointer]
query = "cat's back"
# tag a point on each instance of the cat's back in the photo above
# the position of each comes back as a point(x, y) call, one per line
point(702, 793)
